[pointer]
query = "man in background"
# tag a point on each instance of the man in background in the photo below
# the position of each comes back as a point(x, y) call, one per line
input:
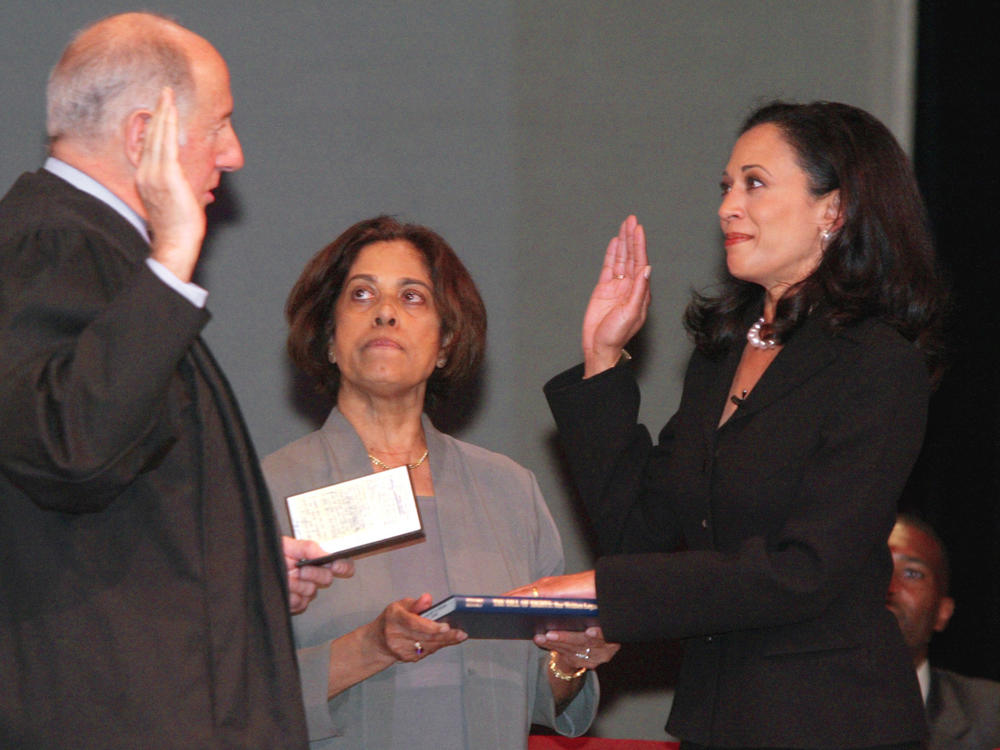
point(963, 712)
point(143, 592)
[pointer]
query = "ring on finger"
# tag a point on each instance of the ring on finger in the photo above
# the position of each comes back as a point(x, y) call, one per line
point(585, 655)
point(418, 647)
point(619, 276)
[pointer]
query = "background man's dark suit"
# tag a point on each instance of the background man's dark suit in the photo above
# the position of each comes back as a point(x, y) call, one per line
point(139, 563)
point(785, 510)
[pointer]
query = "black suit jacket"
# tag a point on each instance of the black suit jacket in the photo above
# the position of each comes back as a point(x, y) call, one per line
point(141, 578)
point(964, 712)
point(783, 514)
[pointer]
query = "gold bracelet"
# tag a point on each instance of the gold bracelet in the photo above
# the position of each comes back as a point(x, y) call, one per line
point(553, 655)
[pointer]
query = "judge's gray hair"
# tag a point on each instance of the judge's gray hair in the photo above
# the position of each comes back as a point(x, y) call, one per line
point(114, 67)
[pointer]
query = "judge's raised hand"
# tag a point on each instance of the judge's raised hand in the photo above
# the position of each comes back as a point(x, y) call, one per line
point(176, 219)
point(305, 581)
point(618, 304)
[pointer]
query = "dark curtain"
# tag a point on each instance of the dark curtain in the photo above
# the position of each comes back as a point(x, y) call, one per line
point(955, 483)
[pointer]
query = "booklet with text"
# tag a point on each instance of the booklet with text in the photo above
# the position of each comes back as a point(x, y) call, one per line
point(358, 515)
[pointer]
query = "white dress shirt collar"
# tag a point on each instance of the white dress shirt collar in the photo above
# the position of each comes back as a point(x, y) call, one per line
point(924, 678)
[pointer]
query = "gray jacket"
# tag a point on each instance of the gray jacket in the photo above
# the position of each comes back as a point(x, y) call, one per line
point(497, 534)
point(963, 712)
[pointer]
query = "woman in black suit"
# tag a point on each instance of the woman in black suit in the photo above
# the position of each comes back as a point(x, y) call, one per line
point(756, 527)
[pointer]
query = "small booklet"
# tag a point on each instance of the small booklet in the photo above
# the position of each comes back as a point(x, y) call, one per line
point(513, 617)
point(358, 515)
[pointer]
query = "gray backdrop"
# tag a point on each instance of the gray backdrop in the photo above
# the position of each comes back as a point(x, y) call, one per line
point(523, 131)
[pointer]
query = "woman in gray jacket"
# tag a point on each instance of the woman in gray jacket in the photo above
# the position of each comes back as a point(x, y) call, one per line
point(384, 317)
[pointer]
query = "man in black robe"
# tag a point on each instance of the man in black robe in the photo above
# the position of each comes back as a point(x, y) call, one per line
point(143, 591)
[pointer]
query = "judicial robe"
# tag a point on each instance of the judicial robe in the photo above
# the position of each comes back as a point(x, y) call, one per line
point(142, 586)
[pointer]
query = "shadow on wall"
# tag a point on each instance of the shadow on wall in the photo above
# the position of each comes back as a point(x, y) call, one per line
point(225, 210)
point(641, 668)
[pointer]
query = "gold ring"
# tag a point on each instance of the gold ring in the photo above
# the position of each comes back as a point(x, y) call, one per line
point(619, 276)
point(534, 591)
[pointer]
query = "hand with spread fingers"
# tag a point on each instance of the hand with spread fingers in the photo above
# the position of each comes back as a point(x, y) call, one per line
point(620, 300)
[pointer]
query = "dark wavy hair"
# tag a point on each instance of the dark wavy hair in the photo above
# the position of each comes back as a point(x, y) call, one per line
point(311, 304)
point(880, 261)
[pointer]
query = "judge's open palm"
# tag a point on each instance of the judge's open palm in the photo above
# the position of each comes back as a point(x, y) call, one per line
point(176, 218)
point(618, 304)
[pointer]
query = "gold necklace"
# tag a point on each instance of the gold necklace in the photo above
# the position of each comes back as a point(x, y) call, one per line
point(383, 465)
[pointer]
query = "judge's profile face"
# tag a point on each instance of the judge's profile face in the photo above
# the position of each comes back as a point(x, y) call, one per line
point(209, 144)
point(916, 592)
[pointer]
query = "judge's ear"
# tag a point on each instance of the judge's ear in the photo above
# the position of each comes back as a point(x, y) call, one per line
point(135, 134)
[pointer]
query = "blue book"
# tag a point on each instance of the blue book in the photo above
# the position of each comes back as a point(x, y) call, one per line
point(513, 617)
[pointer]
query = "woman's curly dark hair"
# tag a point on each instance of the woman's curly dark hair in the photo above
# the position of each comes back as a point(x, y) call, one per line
point(880, 261)
point(311, 304)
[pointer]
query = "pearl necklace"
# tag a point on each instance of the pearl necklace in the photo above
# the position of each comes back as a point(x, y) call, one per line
point(383, 465)
point(753, 336)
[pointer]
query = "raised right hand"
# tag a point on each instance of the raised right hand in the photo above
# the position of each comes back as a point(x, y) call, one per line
point(176, 219)
point(618, 304)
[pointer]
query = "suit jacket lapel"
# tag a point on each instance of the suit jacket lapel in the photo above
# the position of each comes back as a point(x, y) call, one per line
point(717, 392)
point(810, 350)
point(951, 723)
